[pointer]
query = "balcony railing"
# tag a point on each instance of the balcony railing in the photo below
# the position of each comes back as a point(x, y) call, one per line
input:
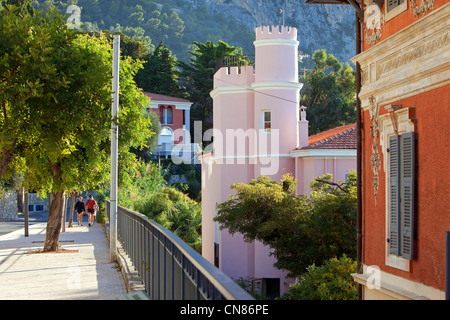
point(169, 268)
point(238, 60)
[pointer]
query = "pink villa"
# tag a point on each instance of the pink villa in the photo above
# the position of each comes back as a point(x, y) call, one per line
point(260, 129)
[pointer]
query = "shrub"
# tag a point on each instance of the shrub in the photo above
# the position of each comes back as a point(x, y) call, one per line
point(331, 281)
point(102, 215)
point(175, 211)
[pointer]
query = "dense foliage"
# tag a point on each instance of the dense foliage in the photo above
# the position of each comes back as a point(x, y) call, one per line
point(149, 194)
point(55, 87)
point(301, 230)
point(159, 74)
point(198, 77)
point(331, 281)
point(329, 93)
point(176, 212)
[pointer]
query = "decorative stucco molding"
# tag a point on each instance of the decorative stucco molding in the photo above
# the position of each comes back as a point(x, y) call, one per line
point(374, 19)
point(416, 59)
point(372, 38)
point(402, 58)
point(375, 162)
point(424, 7)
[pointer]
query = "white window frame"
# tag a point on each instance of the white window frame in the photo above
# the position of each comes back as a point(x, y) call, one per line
point(165, 116)
point(404, 125)
point(263, 120)
point(396, 11)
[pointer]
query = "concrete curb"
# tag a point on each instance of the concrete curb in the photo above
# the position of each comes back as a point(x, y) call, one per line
point(130, 275)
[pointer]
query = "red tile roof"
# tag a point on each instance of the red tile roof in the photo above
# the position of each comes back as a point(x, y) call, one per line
point(343, 137)
point(161, 97)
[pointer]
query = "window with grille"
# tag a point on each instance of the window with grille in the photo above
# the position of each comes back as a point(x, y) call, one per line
point(391, 4)
point(392, 8)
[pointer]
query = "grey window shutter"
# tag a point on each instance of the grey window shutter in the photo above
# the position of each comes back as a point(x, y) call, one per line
point(407, 194)
point(394, 195)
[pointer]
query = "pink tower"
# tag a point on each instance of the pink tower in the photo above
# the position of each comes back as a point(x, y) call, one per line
point(276, 93)
point(256, 126)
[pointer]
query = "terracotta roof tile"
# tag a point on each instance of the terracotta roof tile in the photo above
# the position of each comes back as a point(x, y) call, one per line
point(161, 97)
point(343, 137)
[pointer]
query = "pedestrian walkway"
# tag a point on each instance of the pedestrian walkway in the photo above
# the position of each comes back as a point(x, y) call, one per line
point(82, 272)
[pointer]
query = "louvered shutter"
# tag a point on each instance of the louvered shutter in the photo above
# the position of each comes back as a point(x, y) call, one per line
point(407, 194)
point(394, 195)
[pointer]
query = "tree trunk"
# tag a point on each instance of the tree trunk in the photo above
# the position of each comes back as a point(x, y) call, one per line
point(20, 194)
point(6, 158)
point(72, 206)
point(63, 216)
point(55, 212)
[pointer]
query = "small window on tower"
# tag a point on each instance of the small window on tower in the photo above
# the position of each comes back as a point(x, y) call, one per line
point(266, 121)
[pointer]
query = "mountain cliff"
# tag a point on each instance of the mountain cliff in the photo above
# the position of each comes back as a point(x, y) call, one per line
point(180, 22)
point(330, 27)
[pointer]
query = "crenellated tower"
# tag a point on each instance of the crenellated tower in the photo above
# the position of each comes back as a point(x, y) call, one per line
point(276, 54)
point(256, 126)
point(276, 84)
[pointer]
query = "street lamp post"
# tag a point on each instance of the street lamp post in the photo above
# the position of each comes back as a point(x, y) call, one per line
point(114, 149)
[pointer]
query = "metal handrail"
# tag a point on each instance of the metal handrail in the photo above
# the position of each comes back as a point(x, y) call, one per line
point(237, 60)
point(169, 268)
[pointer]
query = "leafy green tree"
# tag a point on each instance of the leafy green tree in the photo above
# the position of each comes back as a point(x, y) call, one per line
point(198, 77)
point(24, 6)
point(133, 48)
point(22, 68)
point(302, 229)
point(60, 121)
point(159, 73)
point(329, 93)
point(142, 152)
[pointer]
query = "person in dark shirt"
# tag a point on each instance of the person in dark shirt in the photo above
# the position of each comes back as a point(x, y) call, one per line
point(79, 208)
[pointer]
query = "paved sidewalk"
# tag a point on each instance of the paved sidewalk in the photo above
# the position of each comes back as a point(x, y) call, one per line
point(84, 273)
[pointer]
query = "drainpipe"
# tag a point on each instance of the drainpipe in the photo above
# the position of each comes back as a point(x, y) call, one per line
point(447, 265)
point(358, 155)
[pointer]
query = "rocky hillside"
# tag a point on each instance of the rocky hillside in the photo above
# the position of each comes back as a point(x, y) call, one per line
point(330, 27)
point(180, 22)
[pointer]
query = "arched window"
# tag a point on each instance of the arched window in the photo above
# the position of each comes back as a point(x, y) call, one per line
point(169, 115)
point(162, 110)
point(166, 114)
point(165, 135)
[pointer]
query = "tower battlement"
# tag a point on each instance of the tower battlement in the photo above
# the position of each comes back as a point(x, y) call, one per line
point(234, 76)
point(276, 32)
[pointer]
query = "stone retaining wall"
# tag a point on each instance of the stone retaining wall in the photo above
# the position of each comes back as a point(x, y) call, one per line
point(8, 207)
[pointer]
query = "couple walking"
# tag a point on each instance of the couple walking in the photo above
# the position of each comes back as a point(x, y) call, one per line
point(80, 208)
